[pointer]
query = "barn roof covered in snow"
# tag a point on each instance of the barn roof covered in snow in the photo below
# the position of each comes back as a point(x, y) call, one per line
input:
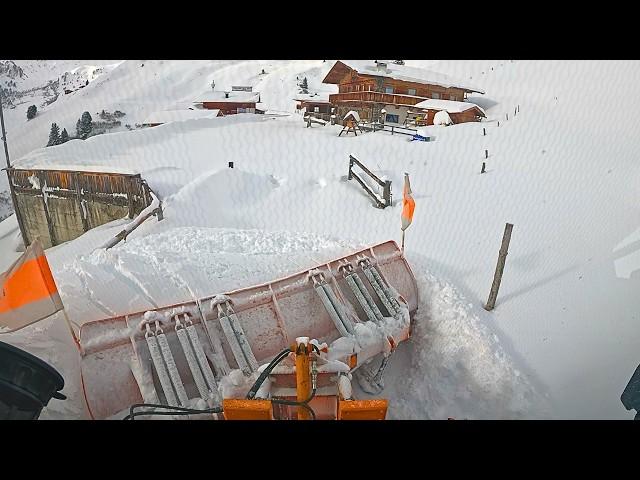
point(447, 105)
point(397, 72)
point(233, 97)
point(321, 97)
point(166, 116)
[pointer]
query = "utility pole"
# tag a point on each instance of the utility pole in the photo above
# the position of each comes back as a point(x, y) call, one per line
point(8, 169)
point(4, 134)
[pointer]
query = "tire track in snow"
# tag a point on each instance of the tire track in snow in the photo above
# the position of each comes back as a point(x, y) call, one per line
point(83, 275)
point(130, 279)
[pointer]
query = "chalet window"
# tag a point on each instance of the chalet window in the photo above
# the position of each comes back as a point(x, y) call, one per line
point(411, 91)
point(435, 95)
point(453, 98)
point(316, 109)
point(392, 118)
point(388, 89)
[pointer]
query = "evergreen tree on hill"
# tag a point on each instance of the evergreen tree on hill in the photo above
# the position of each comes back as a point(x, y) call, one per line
point(31, 112)
point(54, 135)
point(84, 126)
point(64, 136)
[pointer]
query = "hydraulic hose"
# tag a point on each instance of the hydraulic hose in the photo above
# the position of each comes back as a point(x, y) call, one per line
point(265, 373)
point(172, 410)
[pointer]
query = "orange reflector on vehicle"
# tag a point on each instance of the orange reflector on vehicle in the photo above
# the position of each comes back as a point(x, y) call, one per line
point(353, 361)
point(241, 409)
point(362, 409)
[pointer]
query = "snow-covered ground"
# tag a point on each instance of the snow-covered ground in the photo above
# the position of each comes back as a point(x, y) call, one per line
point(563, 339)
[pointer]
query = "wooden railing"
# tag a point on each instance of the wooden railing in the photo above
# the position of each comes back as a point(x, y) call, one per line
point(386, 184)
point(376, 97)
point(377, 126)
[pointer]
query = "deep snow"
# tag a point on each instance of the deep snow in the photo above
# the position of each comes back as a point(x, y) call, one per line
point(566, 321)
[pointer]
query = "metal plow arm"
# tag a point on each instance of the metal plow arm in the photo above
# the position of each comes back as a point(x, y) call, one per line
point(243, 329)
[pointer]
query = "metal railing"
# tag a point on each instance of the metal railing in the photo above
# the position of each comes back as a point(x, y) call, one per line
point(385, 184)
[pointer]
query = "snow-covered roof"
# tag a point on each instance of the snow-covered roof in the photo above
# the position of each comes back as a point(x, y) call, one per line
point(448, 105)
point(407, 74)
point(166, 116)
point(219, 96)
point(355, 115)
point(320, 97)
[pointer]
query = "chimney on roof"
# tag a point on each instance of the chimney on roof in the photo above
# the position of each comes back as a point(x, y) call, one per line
point(226, 94)
point(382, 67)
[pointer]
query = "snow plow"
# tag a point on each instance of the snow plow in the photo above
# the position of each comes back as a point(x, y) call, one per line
point(285, 349)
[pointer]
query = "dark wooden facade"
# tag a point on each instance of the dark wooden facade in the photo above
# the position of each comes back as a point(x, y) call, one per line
point(230, 108)
point(319, 108)
point(368, 93)
point(73, 202)
point(474, 114)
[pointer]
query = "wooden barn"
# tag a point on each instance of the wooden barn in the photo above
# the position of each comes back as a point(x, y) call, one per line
point(230, 102)
point(459, 112)
point(316, 105)
point(371, 86)
point(166, 116)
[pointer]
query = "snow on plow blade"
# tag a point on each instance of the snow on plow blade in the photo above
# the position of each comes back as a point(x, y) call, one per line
point(191, 346)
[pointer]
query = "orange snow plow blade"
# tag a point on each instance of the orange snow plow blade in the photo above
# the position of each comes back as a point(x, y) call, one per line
point(184, 352)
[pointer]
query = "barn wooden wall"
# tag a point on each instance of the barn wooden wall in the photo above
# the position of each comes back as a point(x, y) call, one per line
point(75, 202)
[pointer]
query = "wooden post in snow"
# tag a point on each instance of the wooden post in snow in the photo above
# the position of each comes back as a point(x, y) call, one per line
point(484, 132)
point(483, 167)
point(486, 154)
point(502, 258)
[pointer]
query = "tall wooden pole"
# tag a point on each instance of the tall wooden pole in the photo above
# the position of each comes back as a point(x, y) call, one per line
point(502, 258)
point(4, 135)
point(14, 199)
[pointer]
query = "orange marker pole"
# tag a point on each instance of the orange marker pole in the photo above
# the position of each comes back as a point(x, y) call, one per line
point(303, 376)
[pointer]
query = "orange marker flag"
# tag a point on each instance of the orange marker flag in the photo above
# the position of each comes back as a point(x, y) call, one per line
point(408, 206)
point(29, 293)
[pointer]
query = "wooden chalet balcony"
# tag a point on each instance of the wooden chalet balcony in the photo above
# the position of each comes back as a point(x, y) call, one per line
point(375, 97)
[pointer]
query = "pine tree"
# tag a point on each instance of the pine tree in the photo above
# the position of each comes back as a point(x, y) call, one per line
point(31, 112)
point(304, 85)
point(84, 125)
point(54, 135)
point(64, 136)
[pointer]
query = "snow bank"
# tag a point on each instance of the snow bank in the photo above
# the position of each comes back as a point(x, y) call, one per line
point(453, 366)
point(442, 118)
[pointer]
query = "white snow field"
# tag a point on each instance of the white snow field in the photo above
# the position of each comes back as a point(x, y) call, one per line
point(563, 339)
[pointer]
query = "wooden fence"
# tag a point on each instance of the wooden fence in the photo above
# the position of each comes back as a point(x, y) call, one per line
point(60, 205)
point(385, 184)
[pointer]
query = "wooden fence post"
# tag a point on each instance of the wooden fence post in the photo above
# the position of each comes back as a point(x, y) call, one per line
point(386, 193)
point(52, 235)
point(483, 166)
point(486, 154)
point(484, 132)
point(350, 167)
point(502, 258)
